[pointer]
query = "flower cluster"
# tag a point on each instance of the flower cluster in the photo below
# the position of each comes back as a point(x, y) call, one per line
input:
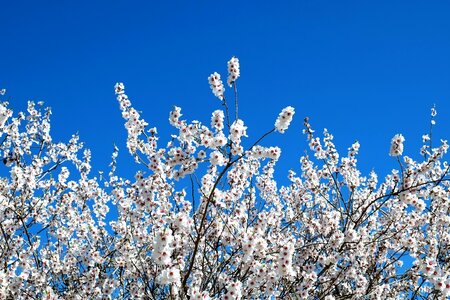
point(237, 131)
point(216, 85)
point(266, 152)
point(134, 125)
point(169, 276)
point(397, 145)
point(4, 114)
point(284, 266)
point(174, 116)
point(162, 247)
point(233, 70)
point(217, 120)
point(284, 119)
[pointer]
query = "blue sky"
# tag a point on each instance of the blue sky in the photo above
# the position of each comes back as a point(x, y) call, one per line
point(365, 70)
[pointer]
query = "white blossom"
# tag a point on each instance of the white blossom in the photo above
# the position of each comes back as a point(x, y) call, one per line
point(174, 116)
point(217, 158)
point(397, 145)
point(217, 120)
point(216, 85)
point(233, 70)
point(237, 131)
point(284, 119)
point(4, 115)
point(204, 216)
point(169, 276)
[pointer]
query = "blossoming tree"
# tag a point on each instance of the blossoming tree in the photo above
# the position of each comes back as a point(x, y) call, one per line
point(331, 233)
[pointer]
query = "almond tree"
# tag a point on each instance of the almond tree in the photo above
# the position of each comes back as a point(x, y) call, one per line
point(331, 233)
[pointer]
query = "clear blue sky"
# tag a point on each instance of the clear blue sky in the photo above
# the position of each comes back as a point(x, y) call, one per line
point(365, 70)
